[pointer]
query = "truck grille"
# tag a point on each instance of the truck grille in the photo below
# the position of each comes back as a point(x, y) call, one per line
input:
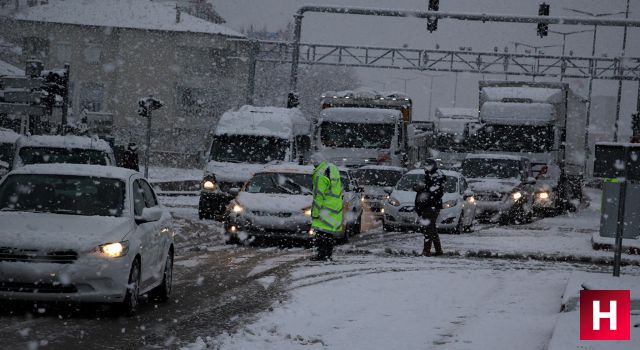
point(8, 254)
point(17, 287)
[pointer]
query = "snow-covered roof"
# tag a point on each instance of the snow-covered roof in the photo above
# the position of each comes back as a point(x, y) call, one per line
point(492, 156)
point(67, 141)
point(289, 168)
point(444, 172)
point(534, 94)
point(457, 113)
point(365, 92)
point(510, 113)
point(76, 169)
point(361, 115)
point(134, 14)
point(263, 121)
point(8, 136)
point(9, 69)
point(382, 167)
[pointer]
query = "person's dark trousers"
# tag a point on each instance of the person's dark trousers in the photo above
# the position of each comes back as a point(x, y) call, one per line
point(324, 245)
point(430, 232)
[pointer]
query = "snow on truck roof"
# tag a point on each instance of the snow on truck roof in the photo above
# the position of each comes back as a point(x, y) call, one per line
point(361, 115)
point(365, 93)
point(66, 141)
point(534, 94)
point(509, 113)
point(77, 170)
point(8, 136)
point(493, 156)
point(263, 121)
point(137, 14)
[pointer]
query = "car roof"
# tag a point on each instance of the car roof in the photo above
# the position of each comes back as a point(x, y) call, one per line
point(494, 156)
point(444, 172)
point(66, 141)
point(76, 169)
point(382, 167)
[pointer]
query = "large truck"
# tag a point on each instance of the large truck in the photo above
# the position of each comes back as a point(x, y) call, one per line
point(363, 127)
point(543, 121)
point(245, 141)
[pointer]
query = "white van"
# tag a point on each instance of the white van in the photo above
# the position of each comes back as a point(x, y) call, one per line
point(244, 142)
point(354, 137)
point(71, 149)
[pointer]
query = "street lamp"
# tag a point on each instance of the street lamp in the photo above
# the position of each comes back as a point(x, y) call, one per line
point(593, 53)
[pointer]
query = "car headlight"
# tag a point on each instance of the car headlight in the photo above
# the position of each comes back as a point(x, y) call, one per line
point(114, 250)
point(516, 195)
point(449, 204)
point(543, 195)
point(394, 201)
point(307, 211)
point(237, 208)
point(472, 199)
point(209, 183)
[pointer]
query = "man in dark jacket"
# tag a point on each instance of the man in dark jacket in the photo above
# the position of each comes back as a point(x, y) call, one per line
point(130, 157)
point(428, 204)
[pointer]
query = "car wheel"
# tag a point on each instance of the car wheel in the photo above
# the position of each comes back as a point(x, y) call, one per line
point(163, 291)
point(132, 297)
point(357, 229)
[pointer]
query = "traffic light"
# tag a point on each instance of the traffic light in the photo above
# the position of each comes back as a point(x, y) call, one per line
point(432, 23)
point(293, 100)
point(543, 28)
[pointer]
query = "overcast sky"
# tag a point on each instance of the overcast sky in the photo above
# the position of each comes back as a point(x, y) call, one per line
point(451, 34)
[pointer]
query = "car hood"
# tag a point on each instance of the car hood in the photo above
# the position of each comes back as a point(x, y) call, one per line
point(409, 197)
point(233, 172)
point(493, 185)
point(274, 203)
point(375, 191)
point(58, 231)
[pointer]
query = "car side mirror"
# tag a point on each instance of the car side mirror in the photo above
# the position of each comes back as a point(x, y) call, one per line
point(531, 180)
point(150, 215)
point(388, 190)
point(467, 194)
point(234, 191)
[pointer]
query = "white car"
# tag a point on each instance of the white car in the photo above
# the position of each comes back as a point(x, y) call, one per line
point(276, 203)
point(84, 233)
point(458, 204)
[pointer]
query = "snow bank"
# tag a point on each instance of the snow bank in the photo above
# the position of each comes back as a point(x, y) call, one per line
point(137, 14)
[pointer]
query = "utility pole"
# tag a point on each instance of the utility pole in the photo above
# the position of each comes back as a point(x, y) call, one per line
point(146, 105)
point(455, 90)
point(624, 47)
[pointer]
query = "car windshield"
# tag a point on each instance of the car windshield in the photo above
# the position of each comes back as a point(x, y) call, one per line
point(248, 149)
point(351, 135)
point(407, 182)
point(41, 155)
point(377, 177)
point(282, 183)
point(62, 194)
point(491, 168)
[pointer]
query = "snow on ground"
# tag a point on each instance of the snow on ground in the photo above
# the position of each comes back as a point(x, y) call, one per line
point(562, 236)
point(411, 303)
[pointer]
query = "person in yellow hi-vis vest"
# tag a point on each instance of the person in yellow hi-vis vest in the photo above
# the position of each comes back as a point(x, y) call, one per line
point(326, 212)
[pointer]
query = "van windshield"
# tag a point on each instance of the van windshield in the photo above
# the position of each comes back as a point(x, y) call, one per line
point(43, 155)
point(351, 135)
point(248, 149)
point(491, 168)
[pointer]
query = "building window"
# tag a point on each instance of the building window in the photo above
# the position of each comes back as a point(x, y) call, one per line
point(63, 52)
point(35, 47)
point(91, 95)
point(92, 53)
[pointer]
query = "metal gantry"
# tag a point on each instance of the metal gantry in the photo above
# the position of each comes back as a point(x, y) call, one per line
point(497, 62)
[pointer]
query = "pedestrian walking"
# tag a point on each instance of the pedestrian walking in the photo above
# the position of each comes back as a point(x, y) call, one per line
point(326, 212)
point(130, 157)
point(428, 204)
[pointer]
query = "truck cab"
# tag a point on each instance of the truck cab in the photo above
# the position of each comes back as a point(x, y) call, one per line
point(245, 141)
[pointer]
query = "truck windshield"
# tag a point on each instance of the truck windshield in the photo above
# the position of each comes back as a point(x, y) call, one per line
point(351, 135)
point(377, 177)
point(42, 155)
point(248, 149)
point(515, 138)
point(282, 183)
point(63, 194)
point(491, 168)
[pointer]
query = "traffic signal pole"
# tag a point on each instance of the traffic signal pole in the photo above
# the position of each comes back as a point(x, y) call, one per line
point(604, 22)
